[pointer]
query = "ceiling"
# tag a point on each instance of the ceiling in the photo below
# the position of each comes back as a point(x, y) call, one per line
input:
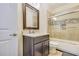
point(56, 5)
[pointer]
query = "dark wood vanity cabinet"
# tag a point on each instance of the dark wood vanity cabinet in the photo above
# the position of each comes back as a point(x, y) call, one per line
point(36, 46)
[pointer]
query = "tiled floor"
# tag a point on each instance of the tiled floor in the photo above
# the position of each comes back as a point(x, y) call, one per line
point(54, 52)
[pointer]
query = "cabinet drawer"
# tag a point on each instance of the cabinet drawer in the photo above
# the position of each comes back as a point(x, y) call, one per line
point(41, 38)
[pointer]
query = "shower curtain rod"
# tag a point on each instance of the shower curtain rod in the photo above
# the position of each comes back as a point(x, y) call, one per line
point(65, 13)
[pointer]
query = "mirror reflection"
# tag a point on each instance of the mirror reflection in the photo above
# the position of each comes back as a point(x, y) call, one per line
point(30, 17)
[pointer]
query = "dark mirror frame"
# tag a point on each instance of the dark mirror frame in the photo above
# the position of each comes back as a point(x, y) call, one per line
point(24, 5)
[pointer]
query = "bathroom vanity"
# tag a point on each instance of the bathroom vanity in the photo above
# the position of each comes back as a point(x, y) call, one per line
point(35, 44)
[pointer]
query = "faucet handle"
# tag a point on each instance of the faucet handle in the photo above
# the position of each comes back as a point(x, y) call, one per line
point(33, 31)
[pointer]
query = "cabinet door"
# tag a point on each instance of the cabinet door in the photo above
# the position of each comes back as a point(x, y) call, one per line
point(45, 48)
point(38, 49)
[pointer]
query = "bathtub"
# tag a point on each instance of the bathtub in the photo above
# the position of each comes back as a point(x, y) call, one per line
point(65, 45)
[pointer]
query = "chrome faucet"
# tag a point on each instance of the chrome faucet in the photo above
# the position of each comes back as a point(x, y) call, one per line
point(31, 31)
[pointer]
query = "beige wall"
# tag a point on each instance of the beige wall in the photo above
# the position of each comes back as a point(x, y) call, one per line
point(43, 18)
point(20, 29)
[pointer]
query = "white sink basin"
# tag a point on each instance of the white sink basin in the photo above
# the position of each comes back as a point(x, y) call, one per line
point(34, 34)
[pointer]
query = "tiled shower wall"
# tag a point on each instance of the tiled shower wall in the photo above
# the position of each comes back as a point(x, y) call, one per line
point(66, 29)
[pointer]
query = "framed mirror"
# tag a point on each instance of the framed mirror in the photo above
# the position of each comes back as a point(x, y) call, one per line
point(30, 17)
